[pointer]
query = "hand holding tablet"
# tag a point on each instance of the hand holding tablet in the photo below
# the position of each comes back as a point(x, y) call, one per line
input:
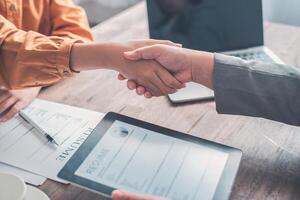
point(135, 156)
point(123, 195)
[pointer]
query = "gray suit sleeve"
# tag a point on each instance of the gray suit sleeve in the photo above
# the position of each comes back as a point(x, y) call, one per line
point(256, 89)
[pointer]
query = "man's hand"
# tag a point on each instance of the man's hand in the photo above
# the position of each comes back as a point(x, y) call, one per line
point(151, 74)
point(121, 195)
point(186, 65)
point(12, 101)
point(174, 59)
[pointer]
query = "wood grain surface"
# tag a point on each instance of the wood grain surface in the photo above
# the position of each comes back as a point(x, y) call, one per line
point(270, 168)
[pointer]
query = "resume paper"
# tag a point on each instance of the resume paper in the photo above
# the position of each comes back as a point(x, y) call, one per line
point(24, 147)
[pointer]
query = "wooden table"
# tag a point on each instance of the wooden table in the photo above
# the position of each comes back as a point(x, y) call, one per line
point(270, 168)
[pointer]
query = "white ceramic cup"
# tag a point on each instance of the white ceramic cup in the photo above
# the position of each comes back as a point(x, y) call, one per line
point(12, 187)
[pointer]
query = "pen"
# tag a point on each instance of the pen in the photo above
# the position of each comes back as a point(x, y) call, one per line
point(36, 126)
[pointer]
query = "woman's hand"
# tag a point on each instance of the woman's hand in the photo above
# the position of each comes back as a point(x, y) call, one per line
point(12, 101)
point(148, 73)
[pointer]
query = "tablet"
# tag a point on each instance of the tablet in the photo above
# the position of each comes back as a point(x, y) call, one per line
point(140, 157)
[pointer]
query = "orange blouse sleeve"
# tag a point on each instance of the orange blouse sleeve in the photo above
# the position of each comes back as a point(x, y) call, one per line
point(30, 59)
point(69, 21)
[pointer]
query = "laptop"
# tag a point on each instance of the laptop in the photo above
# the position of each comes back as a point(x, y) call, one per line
point(232, 27)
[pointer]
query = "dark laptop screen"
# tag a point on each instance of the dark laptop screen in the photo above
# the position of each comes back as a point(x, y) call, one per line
point(211, 25)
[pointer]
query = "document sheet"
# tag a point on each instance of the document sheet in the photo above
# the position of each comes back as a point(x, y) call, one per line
point(23, 147)
point(143, 161)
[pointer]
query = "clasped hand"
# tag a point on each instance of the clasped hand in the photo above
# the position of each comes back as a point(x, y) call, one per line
point(169, 57)
point(149, 73)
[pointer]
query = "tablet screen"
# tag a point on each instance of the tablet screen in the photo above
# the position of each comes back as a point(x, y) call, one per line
point(143, 161)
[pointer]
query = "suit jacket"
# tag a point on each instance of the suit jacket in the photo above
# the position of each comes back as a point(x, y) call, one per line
point(257, 89)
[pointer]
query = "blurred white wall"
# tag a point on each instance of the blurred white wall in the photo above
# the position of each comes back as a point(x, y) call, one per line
point(100, 10)
point(282, 11)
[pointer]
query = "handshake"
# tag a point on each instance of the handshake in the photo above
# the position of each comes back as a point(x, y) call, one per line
point(165, 67)
point(152, 68)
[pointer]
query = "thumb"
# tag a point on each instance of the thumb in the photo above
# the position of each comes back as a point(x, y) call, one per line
point(117, 195)
point(146, 53)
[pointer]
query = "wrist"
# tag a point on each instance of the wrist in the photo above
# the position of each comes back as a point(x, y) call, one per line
point(202, 68)
point(113, 56)
point(97, 56)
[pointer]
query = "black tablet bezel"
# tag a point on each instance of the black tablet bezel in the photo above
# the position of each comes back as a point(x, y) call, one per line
point(68, 172)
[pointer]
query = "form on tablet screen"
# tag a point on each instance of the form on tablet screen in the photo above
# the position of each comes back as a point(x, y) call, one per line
point(143, 161)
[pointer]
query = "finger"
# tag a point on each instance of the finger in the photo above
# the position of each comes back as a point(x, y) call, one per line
point(121, 77)
point(140, 90)
point(147, 53)
point(153, 89)
point(7, 103)
point(131, 85)
point(121, 195)
point(170, 80)
point(148, 95)
point(15, 109)
point(162, 86)
point(116, 195)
